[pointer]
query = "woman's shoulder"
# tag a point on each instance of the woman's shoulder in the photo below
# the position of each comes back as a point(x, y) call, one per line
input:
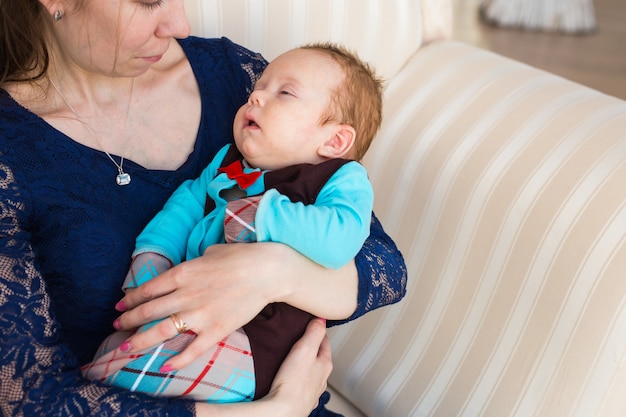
point(9, 108)
point(15, 120)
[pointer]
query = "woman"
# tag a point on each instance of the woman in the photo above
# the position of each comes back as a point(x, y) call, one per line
point(102, 114)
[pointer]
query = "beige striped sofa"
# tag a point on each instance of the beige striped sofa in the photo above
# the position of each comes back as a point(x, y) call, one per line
point(505, 188)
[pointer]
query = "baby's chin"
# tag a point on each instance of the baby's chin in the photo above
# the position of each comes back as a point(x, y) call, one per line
point(261, 164)
point(264, 162)
point(254, 160)
point(257, 157)
point(247, 153)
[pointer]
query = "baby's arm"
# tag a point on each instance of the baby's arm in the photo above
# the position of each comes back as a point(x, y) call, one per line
point(332, 230)
point(168, 232)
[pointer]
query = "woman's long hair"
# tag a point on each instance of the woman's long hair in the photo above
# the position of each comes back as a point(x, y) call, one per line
point(23, 48)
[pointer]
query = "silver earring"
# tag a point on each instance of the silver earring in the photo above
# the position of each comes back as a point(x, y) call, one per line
point(58, 15)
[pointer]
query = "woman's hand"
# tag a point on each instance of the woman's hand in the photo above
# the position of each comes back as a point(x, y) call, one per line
point(221, 291)
point(213, 295)
point(300, 381)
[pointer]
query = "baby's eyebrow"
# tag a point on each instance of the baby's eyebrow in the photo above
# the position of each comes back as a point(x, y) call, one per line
point(279, 82)
point(292, 80)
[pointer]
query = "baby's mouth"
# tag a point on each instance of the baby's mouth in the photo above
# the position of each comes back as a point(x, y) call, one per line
point(250, 122)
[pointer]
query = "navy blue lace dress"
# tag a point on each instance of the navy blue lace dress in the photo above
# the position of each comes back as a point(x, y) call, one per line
point(67, 232)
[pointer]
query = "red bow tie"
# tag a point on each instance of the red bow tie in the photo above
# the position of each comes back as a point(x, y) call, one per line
point(235, 172)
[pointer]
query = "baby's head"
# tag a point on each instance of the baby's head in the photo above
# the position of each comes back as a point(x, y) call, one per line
point(358, 100)
point(312, 103)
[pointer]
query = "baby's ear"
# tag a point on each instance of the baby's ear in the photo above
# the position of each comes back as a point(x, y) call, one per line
point(340, 143)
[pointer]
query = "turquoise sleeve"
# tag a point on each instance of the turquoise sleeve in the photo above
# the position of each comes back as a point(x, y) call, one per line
point(332, 230)
point(168, 232)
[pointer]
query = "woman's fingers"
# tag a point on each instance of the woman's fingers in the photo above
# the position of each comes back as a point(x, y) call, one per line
point(212, 299)
point(157, 287)
point(315, 340)
point(158, 332)
point(183, 288)
point(190, 353)
point(325, 353)
point(166, 329)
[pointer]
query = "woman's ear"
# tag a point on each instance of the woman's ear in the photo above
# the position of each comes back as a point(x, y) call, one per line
point(339, 144)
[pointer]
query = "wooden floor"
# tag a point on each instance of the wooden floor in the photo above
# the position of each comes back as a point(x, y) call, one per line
point(597, 59)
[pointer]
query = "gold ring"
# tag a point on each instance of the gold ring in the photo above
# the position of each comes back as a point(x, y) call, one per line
point(181, 326)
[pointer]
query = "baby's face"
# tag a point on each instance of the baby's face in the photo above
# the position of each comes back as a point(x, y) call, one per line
point(281, 123)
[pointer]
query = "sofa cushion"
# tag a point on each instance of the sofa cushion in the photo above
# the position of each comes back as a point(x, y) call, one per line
point(384, 33)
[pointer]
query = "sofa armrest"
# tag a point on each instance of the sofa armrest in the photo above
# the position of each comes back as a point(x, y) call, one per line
point(504, 187)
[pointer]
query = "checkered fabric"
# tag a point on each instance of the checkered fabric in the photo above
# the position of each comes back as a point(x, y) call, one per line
point(144, 267)
point(223, 374)
point(239, 225)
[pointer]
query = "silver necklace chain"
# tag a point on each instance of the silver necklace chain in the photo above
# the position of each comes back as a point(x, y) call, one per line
point(122, 178)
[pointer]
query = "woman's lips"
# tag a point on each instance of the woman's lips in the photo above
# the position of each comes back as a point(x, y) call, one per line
point(154, 58)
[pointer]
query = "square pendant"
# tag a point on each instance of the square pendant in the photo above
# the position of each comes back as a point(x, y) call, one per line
point(123, 179)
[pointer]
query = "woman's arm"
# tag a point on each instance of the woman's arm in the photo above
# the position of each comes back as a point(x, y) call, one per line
point(382, 273)
point(40, 374)
point(378, 272)
point(40, 377)
point(224, 289)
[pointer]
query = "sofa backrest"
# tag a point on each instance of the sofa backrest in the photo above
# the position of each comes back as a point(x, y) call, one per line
point(384, 33)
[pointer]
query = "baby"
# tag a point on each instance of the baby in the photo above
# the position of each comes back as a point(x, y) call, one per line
point(292, 177)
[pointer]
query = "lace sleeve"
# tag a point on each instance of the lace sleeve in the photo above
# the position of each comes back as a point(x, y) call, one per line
point(382, 272)
point(38, 374)
point(251, 63)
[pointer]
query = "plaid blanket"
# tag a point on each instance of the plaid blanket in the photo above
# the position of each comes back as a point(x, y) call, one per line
point(224, 373)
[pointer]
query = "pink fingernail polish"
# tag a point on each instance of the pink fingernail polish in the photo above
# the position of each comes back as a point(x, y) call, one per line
point(117, 324)
point(120, 306)
point(166, 369)
point(125, 347)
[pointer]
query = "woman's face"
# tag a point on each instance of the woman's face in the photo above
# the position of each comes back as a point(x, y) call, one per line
point(120, 37)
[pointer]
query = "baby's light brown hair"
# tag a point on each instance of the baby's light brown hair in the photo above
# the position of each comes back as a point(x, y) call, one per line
point(359, 100)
